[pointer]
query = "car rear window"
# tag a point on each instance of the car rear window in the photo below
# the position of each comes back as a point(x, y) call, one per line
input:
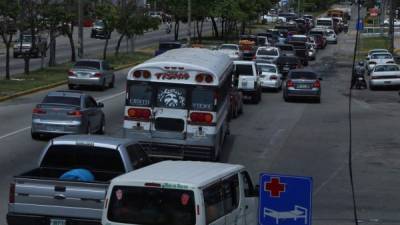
point(302, 39)
point(303, 75)
point(244, 70)
point(272, 52)
point(324, 23)
point(88, 64)
point(62, 100)
point(386, 68)
point(266, 68)
point(285, 59)
point(151, 206)
point(95, 159)
point(286, 48)
point(381, 56)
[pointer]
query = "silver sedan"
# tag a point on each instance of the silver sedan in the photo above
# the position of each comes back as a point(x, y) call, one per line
point(67, 112)
point(91, 72)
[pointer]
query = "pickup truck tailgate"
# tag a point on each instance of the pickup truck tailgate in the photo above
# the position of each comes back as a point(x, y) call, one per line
point(58, 198)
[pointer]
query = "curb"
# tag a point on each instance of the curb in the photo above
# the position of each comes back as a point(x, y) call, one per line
point(45, 87)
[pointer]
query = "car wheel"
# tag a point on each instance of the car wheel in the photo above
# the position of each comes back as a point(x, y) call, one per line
point(318, 100)
point(71, 87)
point(35, 136)
point(111, 85)
point(102, 128)
point(103, 85)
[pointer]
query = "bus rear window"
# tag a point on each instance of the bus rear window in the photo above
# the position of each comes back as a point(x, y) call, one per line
point(151, 206)
point(203, 99)
point(139, 95)
point(171, 97)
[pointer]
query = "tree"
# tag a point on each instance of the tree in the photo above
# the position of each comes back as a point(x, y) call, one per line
point(132, 21)
point(178, 10)
point(68, 18)
point(108, 13)
point(8, 19)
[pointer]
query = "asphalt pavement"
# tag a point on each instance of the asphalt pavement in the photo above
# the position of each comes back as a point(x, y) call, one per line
point(297, 138)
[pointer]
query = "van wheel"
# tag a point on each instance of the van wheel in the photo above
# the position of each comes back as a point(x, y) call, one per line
point(35, 136)
point(102, 128)
point(71, 87)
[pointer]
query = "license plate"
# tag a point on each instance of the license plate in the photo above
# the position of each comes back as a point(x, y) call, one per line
point(54, 128)
point(57, 222)
point(286, 68)
point(246, 97)
point(244, 84)
point(387, 82)
point(83, 74)
point(302, 86)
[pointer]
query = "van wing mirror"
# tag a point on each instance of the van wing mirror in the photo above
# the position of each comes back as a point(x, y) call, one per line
point(256, 192)
point(100, 105)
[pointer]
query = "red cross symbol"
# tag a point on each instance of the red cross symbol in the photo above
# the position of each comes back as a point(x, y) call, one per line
point(274, 187)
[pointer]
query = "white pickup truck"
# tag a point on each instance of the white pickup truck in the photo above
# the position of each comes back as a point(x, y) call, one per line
point(43, 196)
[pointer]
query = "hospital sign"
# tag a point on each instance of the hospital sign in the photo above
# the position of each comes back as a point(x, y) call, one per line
point(285, 200)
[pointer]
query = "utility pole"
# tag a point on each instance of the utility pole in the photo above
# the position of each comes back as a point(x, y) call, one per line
point(298, 7)
point(189, 31)
point(391, 25)
point(80, 30)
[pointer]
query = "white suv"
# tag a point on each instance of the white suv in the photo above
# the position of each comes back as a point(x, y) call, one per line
point(247, 80)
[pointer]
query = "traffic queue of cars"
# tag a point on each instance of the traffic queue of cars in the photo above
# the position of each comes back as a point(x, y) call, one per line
point(178, 105)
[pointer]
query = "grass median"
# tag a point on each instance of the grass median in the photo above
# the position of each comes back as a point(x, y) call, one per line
point(368, 43)
point(53, 76)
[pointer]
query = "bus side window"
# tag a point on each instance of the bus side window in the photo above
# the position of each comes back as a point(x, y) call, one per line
point(248, 185)
point(214, 203)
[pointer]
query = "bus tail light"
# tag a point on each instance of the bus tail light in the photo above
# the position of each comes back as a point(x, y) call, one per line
point(142, 73)
point(136, 113)
point(199, 78)
point(208, 78)
point(198, 117)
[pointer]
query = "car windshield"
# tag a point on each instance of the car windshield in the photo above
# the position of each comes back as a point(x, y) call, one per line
point(266, 68)
point(381, 56)
point(151, 206)
point(75, 101)
point(270, 52)
point(229, 47)
point(386, 68)
point(304, 75)
point(87, 64)
point(296, 38)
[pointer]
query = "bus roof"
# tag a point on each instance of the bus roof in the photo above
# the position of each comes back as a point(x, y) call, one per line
point(193, 59)
point(191, 173)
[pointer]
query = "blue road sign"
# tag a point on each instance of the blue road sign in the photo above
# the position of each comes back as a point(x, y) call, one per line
point(285, 200)
point(360, 25)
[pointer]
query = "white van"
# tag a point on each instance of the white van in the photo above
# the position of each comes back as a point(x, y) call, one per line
point(325, 22)
point(177, 104)
point(247, 80)
point(182, 193)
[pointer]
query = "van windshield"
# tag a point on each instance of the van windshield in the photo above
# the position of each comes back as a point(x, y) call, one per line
point(151, 206)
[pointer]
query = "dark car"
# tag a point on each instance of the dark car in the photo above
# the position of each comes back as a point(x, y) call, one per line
point(286, 49)
point(302, 83)
point(99, 30)
point(287, 63)
point(292, 27)
point(289, 16)
point(301, 51)
point(168, 45)
point(302, 25)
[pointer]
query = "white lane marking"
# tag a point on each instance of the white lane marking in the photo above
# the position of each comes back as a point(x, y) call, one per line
point(333, 175)
point(27, 128)
point(15, 132)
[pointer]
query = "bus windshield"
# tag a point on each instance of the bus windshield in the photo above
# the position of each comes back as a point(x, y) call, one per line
point(151, 206)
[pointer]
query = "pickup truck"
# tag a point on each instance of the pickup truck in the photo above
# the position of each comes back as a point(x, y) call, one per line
point(301, 51)
point(43, 196)
point(24, 46)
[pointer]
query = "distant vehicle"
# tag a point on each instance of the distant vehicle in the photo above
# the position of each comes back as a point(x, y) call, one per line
point(288, 16)
point(324, 23)
point(70, 182)
point(273, 19)
point(232, 50)
point(396, 22)
point(223, 194)
point(99, 30)
point(177, 104)
point(373, 51)
point(267, 53)
point(287, 63)
point(270, 78)
point(331, 37)
point(246, 79)
point(67, 112)
point(156, 15)
point(379, 58)
point(24, 46)
point(385, 75)
point(91, 72)
point(166, 46)
point(301, 51)
point(302, 83)
point(319, 40)
point(286, 49)
point(302, 25)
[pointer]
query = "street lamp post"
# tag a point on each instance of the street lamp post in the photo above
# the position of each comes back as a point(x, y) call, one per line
point(189, 33)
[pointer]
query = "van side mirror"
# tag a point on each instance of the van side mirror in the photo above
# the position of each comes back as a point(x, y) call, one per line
point(256, 191)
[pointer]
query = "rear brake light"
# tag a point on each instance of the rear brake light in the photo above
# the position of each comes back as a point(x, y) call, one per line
point(11, 197)
point(152, 185)
point(289, 83)
point(317, 84)
point(98, 74)
point(71, 73)
point(76, 113)
point(208, 78)
point(38, 111)
point(273, 77)
point(199, 117)
point(142, 73)
point(136, 113)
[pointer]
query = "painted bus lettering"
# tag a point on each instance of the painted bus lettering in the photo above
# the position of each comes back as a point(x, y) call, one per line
point(172, 76)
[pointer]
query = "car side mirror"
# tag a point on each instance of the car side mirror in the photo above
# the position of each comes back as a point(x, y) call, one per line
point(100, 105)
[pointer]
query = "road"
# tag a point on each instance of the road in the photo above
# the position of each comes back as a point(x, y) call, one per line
point(298, 138)
point(94, 47)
